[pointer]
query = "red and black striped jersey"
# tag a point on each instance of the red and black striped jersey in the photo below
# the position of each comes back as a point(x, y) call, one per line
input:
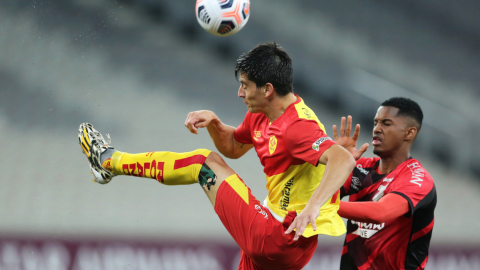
point(401, 243)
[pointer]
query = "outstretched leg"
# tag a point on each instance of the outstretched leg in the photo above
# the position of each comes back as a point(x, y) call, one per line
point(200, 166)
point(259, 235)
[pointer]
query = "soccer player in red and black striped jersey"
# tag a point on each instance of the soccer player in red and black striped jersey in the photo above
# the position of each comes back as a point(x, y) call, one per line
point(392, 197)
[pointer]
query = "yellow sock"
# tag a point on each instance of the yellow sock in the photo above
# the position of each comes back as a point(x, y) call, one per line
point(168, 168)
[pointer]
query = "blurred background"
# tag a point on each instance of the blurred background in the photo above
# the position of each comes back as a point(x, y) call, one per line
point(136, 68)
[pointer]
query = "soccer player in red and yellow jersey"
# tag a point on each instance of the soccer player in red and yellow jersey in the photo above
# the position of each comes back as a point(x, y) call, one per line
point(304, 167)
point(392, 197)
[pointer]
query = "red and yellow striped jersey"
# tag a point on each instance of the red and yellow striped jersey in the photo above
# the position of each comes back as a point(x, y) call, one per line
point(289, 149)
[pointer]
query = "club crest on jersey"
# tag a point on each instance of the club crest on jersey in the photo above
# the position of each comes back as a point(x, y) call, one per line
point(258, 134)
point(316, 144)
point(272, 145)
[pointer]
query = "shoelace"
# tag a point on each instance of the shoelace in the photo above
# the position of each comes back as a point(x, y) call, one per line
point(96, 136)
point(109, 141)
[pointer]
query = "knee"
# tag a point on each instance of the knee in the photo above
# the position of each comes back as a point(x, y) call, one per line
point(218, 165)
point(214, 157)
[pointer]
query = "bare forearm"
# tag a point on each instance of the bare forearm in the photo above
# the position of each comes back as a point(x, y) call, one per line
point(222, 136)
point(338, 167)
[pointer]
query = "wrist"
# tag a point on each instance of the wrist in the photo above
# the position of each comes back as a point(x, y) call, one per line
point(314, 205)
point(213, 121)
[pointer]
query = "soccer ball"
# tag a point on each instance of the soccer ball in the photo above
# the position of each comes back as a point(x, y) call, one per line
point(222, 17)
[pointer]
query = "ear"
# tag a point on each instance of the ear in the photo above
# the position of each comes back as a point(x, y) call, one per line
point(268, 90)
point(410, 134)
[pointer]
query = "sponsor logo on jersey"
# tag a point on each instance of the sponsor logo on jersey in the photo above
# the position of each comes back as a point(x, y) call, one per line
point(367, 230)
point(388, 180)
point(316, 144)
point(361, 169)
point(285, 200)
point(356, 184)
point(261, 211)
point(272, 145)
point(258, 134)
point(417, 173)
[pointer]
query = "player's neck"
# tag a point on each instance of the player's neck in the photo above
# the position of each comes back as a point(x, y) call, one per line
point(389, 163)
point(278, 105)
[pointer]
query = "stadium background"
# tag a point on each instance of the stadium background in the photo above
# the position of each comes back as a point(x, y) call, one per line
point(135, 68)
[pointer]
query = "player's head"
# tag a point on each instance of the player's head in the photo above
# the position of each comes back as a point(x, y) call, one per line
point(267, 63)
point(396, 126)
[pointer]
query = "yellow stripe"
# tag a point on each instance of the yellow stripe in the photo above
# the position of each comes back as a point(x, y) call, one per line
point(85, 151)
point(306, 113)
point(85, 134)
point(238, 186)
point(85, 144)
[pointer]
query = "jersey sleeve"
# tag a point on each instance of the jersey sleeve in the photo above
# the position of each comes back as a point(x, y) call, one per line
point(416, 185)
point(306, 141)
point(242, 133)
point(345, 189)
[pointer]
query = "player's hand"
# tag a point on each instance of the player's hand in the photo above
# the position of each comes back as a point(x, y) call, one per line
point(199, 119)
point(347, 142)
point(308, 215)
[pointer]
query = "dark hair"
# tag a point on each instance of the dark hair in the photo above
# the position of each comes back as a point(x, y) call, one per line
point(267, 63)
point(406, 107)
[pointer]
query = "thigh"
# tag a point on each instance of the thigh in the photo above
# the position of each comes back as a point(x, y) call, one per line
point(241, 214)
point(260, 236)
point(283, 252)
point(246, 263)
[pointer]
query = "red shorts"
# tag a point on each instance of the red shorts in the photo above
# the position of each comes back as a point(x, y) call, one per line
point(260, 236)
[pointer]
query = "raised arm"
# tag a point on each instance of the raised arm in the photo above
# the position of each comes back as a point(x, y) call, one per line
point(350, 143)
point(339, 164)
point(221, 134)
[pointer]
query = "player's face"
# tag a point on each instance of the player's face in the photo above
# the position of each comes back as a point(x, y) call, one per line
point(253, 96)
point(388, 131)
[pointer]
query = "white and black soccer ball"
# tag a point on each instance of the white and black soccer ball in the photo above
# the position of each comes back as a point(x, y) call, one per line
point(222, 17)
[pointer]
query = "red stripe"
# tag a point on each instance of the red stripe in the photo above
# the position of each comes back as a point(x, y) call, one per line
point(371, 258)
point(351, 237)
point(344, 250)
point(334, 197)
point(184, 162)
point(160, 171)
point(421, 267)
point(422, 232)
point(363, 192)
